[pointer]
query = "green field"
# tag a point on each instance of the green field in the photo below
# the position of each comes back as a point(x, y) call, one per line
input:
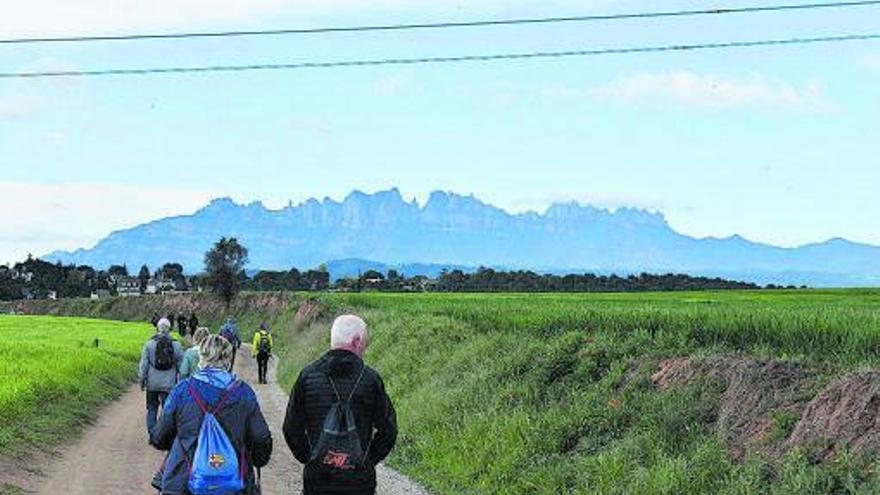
point(53, 377)
point(530, 393)
point(515, 393)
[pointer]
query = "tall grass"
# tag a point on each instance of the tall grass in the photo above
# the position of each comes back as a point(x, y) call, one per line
point(549, 394)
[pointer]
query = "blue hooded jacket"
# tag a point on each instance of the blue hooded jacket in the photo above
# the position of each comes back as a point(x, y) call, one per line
point(178, 428)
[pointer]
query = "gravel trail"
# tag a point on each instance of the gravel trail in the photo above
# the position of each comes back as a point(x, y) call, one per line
point(113, 457)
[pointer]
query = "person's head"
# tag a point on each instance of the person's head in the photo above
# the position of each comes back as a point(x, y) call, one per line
point(163, 326)
point(349, 332)
point(215, 352)
point(201, 334)
point(264, 327)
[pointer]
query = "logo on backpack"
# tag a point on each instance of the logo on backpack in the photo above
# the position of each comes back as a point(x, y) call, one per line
point(217, 468)
point(337, 460)
point(164, 353)
point(216, 461)
point(339, 446)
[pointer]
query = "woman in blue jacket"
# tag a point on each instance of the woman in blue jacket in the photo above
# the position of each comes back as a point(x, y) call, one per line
point(239, 415)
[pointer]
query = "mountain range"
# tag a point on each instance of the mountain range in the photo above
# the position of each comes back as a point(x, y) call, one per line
point(451, 230)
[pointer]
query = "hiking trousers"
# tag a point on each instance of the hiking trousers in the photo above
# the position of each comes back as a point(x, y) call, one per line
point(262, 368)
point(155, 399)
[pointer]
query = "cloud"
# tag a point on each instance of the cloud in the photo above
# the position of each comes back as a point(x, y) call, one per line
point(17, 105)
point(393, 85)
point(871, 61)
point(713, 91)
point(68, 216)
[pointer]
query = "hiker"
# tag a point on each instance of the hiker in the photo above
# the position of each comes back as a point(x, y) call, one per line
point(182, 323)
point(190, 363)
point(337, 385)
point(262, 350)
point(230, 332)
point(213, 407)
point(160, 361)
point(193, 322)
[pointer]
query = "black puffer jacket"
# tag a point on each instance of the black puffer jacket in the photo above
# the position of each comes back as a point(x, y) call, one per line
point(374, 415)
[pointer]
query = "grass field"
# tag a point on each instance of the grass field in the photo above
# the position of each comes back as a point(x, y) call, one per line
point(53, 377)
point(514, 393)
point(541, 393)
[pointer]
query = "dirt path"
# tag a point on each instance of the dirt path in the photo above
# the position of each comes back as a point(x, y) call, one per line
point(112, 456)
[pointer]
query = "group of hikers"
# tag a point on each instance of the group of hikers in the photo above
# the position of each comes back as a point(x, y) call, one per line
point(339, 421)
point(185, 325)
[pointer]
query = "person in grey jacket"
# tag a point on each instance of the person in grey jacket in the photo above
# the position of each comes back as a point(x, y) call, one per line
point(159, 369)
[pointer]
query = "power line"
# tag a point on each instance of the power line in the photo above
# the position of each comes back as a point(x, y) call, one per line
point(449, 59)
point(441, 25)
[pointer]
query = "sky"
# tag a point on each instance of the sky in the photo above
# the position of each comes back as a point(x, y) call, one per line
point(779, 145)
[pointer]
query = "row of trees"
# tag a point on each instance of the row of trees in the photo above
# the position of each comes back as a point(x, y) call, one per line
point(489, 280)
point(35, 278)
point(224, 274)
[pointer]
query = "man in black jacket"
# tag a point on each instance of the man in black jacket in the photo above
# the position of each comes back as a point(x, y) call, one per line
point(313, 396)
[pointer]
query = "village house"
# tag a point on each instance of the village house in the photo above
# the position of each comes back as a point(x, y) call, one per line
point(100, 294)
point(128, 286)
point(159, 286)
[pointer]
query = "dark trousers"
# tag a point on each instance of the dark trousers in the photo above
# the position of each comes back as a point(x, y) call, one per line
point(262, 367)
point(154, 402)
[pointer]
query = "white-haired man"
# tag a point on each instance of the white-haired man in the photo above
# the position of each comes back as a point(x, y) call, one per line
point(341, 462)
point(159, 368)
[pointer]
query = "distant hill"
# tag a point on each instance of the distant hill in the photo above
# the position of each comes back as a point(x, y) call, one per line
point(462, 231)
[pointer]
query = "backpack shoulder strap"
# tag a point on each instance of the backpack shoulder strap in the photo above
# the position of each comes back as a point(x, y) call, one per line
point(220, 403)
point(356, 383)
point(353, 388)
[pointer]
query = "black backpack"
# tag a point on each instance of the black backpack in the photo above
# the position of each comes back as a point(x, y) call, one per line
point(263, 347)
point(338, 448)
point(164, 354)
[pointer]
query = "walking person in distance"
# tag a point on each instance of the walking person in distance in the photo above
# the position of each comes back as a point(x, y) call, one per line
point(331, 394)
point(262, 351)
point(193, 322)
point(158, 369)
point(229, 331)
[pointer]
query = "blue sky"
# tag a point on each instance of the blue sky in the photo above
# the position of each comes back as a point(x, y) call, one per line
point(779, 145)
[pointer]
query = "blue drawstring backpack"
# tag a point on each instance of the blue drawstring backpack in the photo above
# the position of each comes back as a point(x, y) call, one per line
point(216, 468)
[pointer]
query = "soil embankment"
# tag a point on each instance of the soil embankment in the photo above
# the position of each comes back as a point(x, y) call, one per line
point(771, 407)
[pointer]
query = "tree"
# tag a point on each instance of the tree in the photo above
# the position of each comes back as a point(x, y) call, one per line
point(224, 267)
point(118, 271)
point(143, 277)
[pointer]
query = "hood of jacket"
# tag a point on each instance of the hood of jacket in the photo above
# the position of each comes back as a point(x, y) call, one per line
point(216, 377)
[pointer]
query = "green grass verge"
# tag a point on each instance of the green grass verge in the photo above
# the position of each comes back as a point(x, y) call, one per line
point(53, 377)
point(549, 394)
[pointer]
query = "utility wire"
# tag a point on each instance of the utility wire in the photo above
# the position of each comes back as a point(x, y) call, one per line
point(463, 24)
point(448, 59)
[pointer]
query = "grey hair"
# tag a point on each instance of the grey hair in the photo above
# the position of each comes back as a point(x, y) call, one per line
point(163, 326)
point(345, 329)
point(215, 352)
point(200, 334)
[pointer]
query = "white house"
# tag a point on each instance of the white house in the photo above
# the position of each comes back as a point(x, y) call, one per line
point(128, 286)
point(100, 294)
